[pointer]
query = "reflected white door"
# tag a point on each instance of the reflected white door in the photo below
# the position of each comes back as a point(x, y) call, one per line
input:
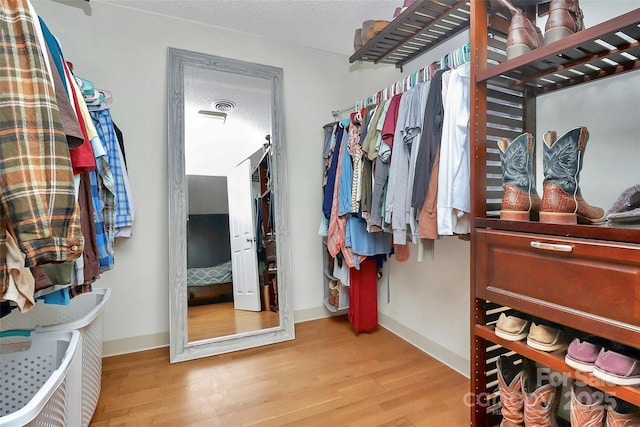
point(246, 295)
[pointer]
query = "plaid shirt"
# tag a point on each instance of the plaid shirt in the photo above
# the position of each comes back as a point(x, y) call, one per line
point(104, 125)
point(37, 197)
point(104, 205)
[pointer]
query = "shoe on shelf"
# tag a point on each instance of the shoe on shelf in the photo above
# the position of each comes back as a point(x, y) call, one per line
point(582, 353)
point(540, 404)
point(626, 208)
point(523, 36)
point(334, 293)
point(520, 200)
point(357, 40)
point(622, 414)
point(562, 201)
point(565, 18)
point(620, 366)
point(511, 328)
point(587, 406)
point(371, 28)
point(546, 338)
point(510, 379)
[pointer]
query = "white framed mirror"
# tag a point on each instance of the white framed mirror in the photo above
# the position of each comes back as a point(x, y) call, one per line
point(229, 260)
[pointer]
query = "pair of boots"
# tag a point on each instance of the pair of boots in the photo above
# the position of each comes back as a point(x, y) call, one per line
point(565, 18)
point(522, 403)
point(562, 201)
point(592, 408)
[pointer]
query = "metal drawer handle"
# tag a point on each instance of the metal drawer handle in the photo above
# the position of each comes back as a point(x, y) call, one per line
point(551, 247)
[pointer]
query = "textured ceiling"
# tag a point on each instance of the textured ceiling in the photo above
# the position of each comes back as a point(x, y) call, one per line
point(327, 25)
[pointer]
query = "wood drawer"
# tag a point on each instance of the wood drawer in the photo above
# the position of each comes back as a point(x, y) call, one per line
point(587, 284)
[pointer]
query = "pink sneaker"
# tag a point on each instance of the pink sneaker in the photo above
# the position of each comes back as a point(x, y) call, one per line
point(583, 353)
point(620, 367)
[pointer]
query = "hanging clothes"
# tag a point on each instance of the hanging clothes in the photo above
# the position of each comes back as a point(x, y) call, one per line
point(50, 216)
point(408, 126)
point(331, 171)
point(36, 179)
point(454, 192)
point(384, 178)
point(429, 140)
point(381, 172)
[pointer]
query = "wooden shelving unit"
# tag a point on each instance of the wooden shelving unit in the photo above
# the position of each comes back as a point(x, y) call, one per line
point(422, 26)
point(556, 362)
point(507, 271)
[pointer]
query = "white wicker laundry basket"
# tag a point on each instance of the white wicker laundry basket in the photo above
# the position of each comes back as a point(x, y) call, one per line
point(83, 314)
point(33, 378)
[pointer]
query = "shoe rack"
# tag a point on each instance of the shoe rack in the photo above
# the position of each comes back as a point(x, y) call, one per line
point(422, 26)
point(573, 275)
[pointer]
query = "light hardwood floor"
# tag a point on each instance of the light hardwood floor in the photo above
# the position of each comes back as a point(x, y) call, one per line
point(327, 376)
point(217, 320)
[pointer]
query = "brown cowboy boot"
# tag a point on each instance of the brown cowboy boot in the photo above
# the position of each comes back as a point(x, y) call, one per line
point(510, 379)
point(504, 7)
point(565, 18)
point(622, 414)
point(540, 404)
point(587, 406)
point(562, 202)
point(523, 36)
point(520, 200)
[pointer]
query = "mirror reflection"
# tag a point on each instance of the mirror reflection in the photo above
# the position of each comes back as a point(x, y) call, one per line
point(231, 262)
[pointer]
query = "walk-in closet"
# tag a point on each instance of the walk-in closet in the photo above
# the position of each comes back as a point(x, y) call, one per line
point(319, 213)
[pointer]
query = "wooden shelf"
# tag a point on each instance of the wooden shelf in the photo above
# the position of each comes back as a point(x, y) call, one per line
point(599, 232)
point(556, 362)
point(610, 48)
point(422, 26)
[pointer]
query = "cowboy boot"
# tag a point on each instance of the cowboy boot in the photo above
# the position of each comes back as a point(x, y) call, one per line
point(562, 202)
point(510, 387)
point(520, 199)
point(587, 406)
point(565, 18)
point(504, 7)
point(540, 404)
point(523, 36)
point(622, 414)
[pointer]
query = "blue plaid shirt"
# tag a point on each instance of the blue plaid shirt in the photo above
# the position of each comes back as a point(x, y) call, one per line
point(104, 126)
point(103, 193)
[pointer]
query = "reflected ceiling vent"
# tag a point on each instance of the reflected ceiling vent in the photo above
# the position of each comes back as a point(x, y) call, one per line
point(223, 105)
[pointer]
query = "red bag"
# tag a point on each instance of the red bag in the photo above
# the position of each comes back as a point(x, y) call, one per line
point(363, 296)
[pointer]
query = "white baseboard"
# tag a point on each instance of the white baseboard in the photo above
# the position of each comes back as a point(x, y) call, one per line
point(135, 344)
point(433, 349)
point(315, 313)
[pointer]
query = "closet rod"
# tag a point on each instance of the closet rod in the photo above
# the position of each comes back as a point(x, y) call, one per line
point(452, 59)
point(336, 113)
